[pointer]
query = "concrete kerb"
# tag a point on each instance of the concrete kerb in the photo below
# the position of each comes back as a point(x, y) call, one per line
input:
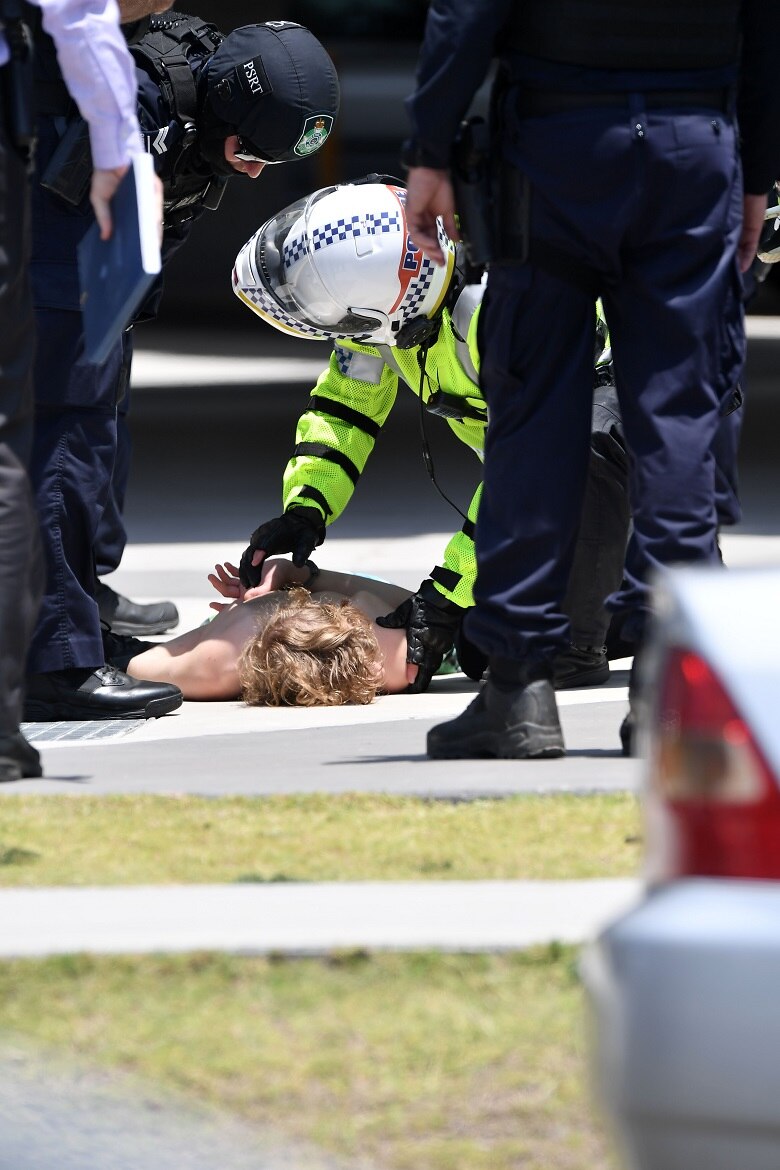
point(309, 919)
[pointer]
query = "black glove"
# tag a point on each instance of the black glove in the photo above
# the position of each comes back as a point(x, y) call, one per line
point(297, 531)
point(431, 622)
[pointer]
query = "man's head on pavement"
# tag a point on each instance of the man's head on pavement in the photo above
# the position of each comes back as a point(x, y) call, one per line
point(270, 95)
point(339, 264)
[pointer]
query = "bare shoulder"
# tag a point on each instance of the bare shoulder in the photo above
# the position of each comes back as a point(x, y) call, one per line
point(371, 604)
point(392, 643)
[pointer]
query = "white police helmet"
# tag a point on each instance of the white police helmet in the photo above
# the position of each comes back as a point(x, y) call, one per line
point(340, 264)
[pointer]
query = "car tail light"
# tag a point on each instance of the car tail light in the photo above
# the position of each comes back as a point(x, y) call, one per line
point(713, 802)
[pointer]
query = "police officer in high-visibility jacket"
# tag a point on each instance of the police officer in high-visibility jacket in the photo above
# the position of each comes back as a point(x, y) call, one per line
point(339, 265)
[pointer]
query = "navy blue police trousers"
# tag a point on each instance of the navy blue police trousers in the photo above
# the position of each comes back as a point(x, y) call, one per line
point(643, 208)
point(75, 437)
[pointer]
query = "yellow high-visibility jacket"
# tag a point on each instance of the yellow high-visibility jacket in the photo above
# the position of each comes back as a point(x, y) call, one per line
point(349, 405)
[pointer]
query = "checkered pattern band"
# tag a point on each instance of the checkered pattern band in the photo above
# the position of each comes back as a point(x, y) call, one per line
point(343, 359)
point(418, 289)
point(271, 307)
point(342, 229)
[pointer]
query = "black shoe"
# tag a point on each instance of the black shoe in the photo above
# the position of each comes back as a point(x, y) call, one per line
point(580, 666)
point(520, 723)
point(104, 693)
point(637, 709)
point(617, 646)
point(18, 758)
point(128, 617)
point(120, 648)
point(627, 733)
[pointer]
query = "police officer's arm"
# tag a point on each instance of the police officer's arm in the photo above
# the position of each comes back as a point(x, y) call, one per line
point(457, 49)
point(432, 617)
point(99, 74)
point(334, 438)
point(455, 56)
point(429, 195)
point(454, 577)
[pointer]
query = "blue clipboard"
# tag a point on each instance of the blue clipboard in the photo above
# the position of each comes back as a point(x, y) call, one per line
point(116, 274)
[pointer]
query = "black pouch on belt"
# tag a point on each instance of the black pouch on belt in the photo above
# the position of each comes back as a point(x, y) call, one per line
point(473, 190)
point(69, 170)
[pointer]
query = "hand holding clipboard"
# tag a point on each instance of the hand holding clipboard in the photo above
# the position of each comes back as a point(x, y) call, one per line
point(115, 274)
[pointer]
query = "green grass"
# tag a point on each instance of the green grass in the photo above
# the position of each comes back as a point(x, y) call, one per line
point(148, 839)
point(413, 1062)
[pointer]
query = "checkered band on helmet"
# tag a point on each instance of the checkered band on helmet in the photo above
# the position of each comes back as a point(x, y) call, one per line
point(418, 290)
point(343, 229)
point(341, 265)
point(368, 224)
point(266, 306)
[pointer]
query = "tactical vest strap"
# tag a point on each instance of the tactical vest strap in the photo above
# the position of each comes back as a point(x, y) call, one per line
point(178, 86)
point(626, 34)
point(164, 53)
point(174, 41)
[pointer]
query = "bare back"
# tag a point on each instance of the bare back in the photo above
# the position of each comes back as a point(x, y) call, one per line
point(203, 663)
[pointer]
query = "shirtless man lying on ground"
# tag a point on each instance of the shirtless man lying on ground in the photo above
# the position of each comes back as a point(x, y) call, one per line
point(281, 644)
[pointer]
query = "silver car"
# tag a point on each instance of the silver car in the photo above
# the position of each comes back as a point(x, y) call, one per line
point(685, 988)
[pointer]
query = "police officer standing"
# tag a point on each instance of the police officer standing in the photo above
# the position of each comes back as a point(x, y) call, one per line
point(616, 130)
point(210, 107)
point(86, 35)
point(194, 108)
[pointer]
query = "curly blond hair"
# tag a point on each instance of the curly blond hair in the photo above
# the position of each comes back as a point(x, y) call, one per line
point(311, 654)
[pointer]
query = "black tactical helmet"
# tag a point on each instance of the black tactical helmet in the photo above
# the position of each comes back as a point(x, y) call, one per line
point(276, 87)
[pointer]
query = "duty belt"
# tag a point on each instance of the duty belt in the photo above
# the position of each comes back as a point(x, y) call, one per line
point(539, 103)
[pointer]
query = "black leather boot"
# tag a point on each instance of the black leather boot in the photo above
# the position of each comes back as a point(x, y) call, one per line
point(513, 717)
point(580, 666)
point(103, 693)
point(629, 726)
point(18, 758)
